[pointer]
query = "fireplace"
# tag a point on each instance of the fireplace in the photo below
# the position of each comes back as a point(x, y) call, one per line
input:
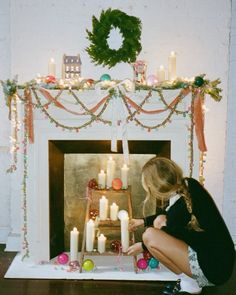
point(72, 163)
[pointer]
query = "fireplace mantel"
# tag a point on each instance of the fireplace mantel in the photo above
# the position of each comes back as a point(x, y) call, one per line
point(38, 156)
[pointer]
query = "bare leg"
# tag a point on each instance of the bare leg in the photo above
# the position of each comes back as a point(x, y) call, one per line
point(171, 252)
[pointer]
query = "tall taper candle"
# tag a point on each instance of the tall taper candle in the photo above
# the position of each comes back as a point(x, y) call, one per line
point(124, 233)
point(124, 176)
point(52, 67)
point(90, 235)
point(110, 171)
point(103, 207)
point(114, 211)
point(74, 240)
point(172, 66)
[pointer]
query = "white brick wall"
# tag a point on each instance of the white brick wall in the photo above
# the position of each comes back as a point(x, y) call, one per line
point(4, 123)
point(197, 30)
point(230, 159)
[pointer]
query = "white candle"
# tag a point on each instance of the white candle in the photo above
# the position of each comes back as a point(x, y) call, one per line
point(161, 74)
point(172, 66)
point(74, 240)
point(102, 243)
point(124, 233)
point(52, 67)
point(90, 235)
point(110, 171)
point(114, 211)
point(103, 207)
point(124, 176)
point(102, 179)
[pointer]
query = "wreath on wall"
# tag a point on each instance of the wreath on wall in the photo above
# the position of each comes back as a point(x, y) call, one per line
point(130, 28)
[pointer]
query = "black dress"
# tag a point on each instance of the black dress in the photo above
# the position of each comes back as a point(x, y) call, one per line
point(214, 245)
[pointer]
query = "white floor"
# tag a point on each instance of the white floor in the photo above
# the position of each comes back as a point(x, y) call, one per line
point(106, 268)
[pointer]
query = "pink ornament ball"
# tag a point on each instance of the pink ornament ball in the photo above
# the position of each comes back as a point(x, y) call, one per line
point(63, 258)
point(151, 80)
point(116, 184)
point(142, 263)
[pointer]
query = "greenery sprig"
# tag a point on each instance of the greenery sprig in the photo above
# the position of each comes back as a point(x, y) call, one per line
point(130, 28)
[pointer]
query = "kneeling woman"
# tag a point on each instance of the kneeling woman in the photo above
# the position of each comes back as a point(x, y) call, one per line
point(188, 234)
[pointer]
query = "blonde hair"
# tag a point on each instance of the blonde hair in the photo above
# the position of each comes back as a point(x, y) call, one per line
point(162, 178)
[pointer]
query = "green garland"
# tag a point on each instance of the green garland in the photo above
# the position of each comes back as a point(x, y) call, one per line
point(130, 28)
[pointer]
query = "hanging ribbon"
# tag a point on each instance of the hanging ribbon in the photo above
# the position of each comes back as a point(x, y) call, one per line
point(29, 115)
point(199, 119)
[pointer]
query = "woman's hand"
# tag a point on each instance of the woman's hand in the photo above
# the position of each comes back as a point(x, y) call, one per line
point(159, 221)
point(135, 249)
point(135, 223)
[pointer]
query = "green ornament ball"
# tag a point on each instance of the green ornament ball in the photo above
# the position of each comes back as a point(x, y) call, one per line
point(105, 77)
point(198, 81)
point(88, 265)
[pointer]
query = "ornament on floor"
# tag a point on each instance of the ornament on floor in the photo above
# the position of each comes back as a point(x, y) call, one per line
point(142, 263)
point(130, 31)
point(116, 184)
point(115, 246)
point(153, 263)
point(88, 265)
point(63, 258)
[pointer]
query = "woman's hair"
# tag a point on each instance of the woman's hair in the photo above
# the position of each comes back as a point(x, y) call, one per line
point(162, 179)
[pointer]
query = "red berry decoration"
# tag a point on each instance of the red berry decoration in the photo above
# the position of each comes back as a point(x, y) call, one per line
point(115, 246)
point(50, 79)
point(147, 255)
point(198, 81)
point(116, 184)
point(92, 183)
point(93, 213)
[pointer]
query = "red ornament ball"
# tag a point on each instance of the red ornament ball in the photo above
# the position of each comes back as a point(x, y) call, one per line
point(115, 246)
point(93, 213)
point(116, 184)
point(92, 183)
point(63, 258)
point(147, 255)
point(50, 79)
point(142, 263)
point(90, 81)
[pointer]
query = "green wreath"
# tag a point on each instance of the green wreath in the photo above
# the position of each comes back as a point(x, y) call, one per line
point(130, 28)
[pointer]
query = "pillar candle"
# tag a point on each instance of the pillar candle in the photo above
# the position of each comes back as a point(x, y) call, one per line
point(90, 234)
point(102, 179)
point(74, 240)
point(124, 233)
point(161, 74)
point(103, 207)
point(172, 66)
point(114, 211)
point(101, 243)
point(51, 67)
point(110, 171)
point(124, 176)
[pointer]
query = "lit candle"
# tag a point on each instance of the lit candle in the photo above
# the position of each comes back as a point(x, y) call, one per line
point(124, 176)
point(90, 234)
point(102, 179)
point(114, 211)
point(124, 222)
point(103, 207)
point(52, 67)
point(161, 74)
point(102, 243)
point(110, 171)
point(172, 66)
point(74, 240)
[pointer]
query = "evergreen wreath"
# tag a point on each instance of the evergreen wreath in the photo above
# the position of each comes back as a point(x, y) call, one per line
point(130, 28)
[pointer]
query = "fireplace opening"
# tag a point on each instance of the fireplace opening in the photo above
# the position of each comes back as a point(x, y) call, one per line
point(72, 163)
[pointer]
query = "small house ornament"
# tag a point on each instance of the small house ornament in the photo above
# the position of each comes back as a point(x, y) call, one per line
point(140, 68)
point(71, 66)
